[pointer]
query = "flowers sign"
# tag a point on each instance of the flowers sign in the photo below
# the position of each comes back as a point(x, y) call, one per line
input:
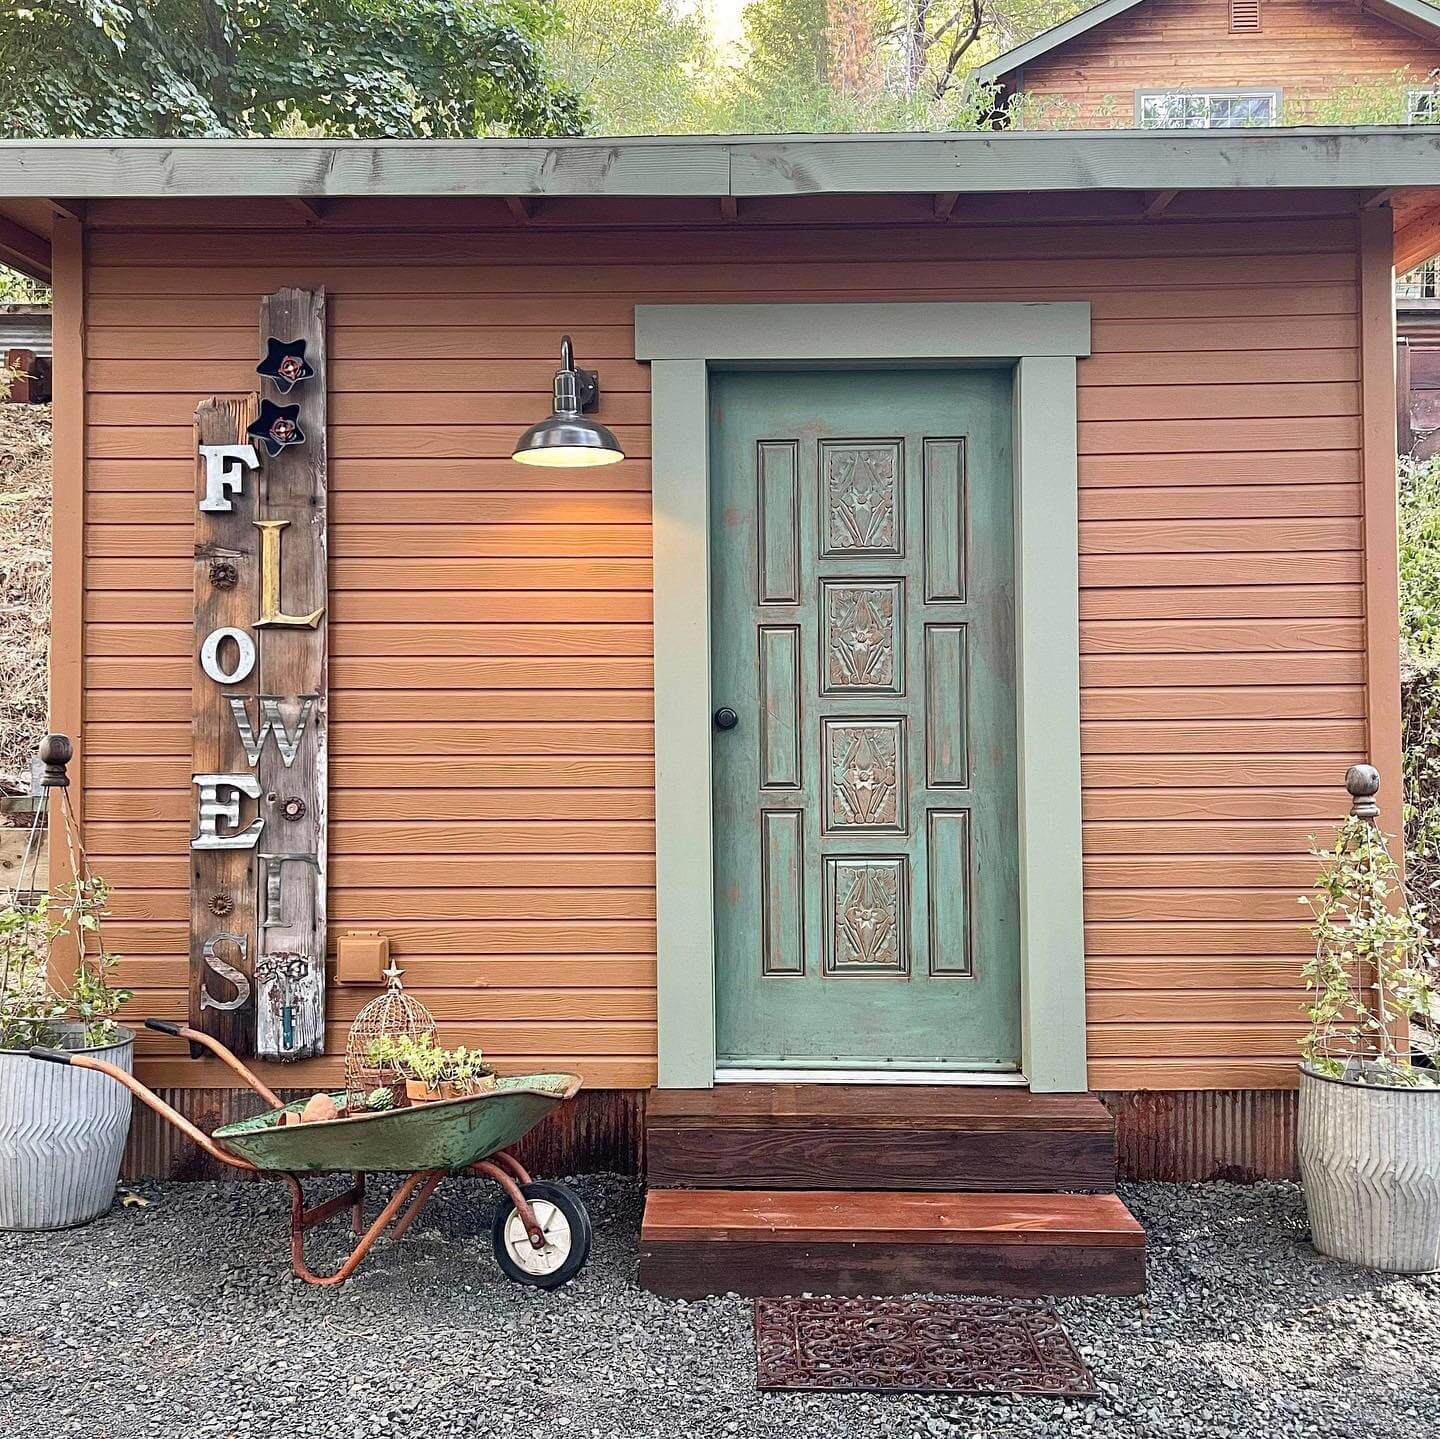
point(257, 873)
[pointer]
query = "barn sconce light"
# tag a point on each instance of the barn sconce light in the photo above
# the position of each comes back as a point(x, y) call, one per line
point(566, 439)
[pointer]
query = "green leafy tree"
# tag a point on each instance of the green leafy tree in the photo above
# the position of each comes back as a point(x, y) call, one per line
point(642, 65)
point(1363, 102)
point(939, 42)
point(18, 289)
point(787, 47)
point(1420, 671)
point(362, 68)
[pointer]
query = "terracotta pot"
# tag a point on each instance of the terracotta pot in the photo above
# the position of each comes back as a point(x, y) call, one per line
point(420, 1093)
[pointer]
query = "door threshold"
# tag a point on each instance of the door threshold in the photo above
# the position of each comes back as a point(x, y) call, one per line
point(869, 1076)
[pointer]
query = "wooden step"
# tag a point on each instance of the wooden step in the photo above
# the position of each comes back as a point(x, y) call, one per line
point(837, 1136)
point(771, 1242)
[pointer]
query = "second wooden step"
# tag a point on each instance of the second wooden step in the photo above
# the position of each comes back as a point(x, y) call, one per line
point(814, 1136)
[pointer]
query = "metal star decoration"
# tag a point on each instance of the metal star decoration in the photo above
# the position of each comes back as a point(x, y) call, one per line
point(277, 428)
point(285, 364)
point(392, 972)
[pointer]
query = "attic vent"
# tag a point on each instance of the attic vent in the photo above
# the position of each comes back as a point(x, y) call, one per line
point(1244, 15)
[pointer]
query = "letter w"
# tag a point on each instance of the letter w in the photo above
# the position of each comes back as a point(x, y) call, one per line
point(286, 741)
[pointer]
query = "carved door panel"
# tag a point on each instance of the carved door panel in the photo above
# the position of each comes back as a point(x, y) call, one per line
point(865, 803)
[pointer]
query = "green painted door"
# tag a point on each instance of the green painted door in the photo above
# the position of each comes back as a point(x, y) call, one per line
point(862, 622)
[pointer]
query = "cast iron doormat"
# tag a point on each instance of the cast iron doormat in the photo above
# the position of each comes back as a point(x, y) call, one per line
point(915, 1346)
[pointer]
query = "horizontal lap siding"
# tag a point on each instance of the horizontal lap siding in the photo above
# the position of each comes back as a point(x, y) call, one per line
point(1308, 49)
point(492, 717)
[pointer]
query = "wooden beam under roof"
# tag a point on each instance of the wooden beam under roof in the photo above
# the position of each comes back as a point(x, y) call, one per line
point(309, 211)
point(1417, 239)
point(1157, 202)
point(24, 250)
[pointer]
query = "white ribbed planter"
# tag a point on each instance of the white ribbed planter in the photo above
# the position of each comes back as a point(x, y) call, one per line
point(1370, 1163)
point(62, 1137)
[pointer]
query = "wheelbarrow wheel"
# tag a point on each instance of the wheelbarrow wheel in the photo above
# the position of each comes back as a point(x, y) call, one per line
point(565, 1224)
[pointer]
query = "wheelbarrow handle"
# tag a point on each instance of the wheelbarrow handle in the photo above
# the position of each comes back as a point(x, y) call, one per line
point(147, 1097)
point(207, 1041)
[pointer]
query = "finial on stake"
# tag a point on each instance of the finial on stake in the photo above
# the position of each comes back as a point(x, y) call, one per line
point(56, 752)
point(1363, 782)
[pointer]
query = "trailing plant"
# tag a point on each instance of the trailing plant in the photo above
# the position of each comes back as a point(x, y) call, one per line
point(424, 1060)
point(1419, 490)
point(33, 922)
point(32, 1009)
point(1374, 965)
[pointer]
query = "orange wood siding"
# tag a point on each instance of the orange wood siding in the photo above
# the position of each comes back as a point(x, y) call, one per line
point(1308, 49)
point(491, 725)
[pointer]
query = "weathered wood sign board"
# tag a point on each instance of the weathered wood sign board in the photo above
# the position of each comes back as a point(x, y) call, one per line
point(257, 848)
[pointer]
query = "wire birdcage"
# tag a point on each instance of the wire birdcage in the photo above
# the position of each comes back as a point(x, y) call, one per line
point(392, 1015)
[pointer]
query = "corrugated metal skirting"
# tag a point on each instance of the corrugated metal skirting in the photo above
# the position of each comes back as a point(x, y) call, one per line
point(1177, 1135)
point(1186, 1135)
point(601, 1131)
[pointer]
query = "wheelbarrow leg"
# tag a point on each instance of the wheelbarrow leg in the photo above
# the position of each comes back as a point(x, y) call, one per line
point(518, 1170)
point(302, 1219)
point(421, 1199)
point(357, 1209)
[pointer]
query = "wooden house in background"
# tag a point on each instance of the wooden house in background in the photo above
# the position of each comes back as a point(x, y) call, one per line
point(1218, 64)
point(893, 777)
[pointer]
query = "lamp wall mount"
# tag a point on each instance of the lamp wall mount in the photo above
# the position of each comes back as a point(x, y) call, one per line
point(576, 391)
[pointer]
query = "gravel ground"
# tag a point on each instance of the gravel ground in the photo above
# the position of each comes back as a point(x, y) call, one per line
point(182, 1318)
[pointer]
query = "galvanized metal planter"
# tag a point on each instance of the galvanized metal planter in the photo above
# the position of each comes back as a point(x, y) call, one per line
point(1370, 1163)
point(62, 1137)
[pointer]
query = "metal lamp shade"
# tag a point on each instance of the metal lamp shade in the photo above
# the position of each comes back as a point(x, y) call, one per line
point(567, 441)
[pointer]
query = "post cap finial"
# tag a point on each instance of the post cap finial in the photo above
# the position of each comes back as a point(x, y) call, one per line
point(1363, 782)
point(56, 752)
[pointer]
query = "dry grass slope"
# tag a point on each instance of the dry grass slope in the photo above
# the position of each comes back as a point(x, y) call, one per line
point(24, 581)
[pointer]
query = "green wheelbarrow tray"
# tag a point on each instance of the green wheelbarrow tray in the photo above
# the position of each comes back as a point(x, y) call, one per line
point(445, 1134)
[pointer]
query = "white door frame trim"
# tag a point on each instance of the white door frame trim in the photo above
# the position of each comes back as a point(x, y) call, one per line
point(1042, 342)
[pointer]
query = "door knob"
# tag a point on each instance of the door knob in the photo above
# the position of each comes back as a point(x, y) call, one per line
point(726, 718)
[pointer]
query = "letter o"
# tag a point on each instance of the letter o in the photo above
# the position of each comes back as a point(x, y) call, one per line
point(244, 658)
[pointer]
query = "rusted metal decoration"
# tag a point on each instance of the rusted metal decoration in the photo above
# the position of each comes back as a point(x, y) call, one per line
point(224, 575)
point(277, 428)
point(392, 1015)
point(285, 365)
point(915, 1346)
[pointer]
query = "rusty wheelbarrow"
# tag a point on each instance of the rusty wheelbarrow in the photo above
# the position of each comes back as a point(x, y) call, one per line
point(541, 1231)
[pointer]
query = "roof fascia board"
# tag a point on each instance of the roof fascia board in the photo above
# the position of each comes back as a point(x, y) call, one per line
point(1048, 40)
point(976, 163)
point(1415, 16)
point(1114, 160)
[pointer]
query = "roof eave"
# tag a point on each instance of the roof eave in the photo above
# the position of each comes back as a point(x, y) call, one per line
point(720, 166)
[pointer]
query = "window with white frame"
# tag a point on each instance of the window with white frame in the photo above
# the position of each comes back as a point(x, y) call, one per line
point(1206, 109)
point(1422, 283)
point(1422, 107)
